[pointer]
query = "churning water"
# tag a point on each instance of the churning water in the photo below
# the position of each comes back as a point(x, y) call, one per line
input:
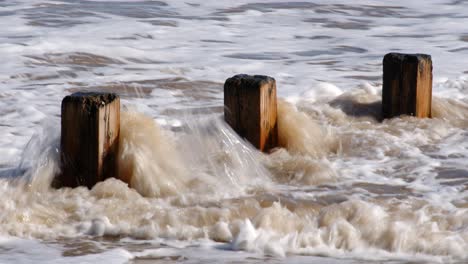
point(345, 187)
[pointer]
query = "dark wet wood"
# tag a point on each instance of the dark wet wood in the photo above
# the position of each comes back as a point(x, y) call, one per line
point(407, 85)
point(250, 108)
point(89, 139)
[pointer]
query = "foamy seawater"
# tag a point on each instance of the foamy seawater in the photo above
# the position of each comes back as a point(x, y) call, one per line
point(344, 187)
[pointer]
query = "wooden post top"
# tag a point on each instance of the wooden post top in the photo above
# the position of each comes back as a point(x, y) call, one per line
point(402, 57)
point(250, 81)
point(91, 101)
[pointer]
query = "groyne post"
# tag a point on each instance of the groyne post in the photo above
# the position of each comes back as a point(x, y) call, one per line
point(407, 85)
point(89, 139)
point(250, 108)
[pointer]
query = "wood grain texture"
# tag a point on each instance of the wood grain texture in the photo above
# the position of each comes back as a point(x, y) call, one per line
point(250, 108)
point(89, 139)
point(407, 85)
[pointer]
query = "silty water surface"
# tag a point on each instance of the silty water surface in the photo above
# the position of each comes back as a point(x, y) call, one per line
point(346, 187)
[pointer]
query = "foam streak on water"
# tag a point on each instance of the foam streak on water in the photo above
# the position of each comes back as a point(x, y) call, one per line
point(343, 187)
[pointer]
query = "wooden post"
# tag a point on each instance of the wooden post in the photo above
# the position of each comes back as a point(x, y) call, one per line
point(250, 109)
point(89, 140)
point(407, 85)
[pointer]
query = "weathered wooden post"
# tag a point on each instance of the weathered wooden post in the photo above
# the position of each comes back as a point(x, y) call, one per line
point(250, 109)
point(89, 139)
point(407, 85)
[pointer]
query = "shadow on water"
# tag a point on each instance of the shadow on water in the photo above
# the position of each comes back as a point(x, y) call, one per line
point(11, 173)
point(352, 107)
